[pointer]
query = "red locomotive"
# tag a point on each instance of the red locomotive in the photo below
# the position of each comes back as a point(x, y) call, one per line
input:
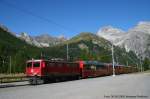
point(40, 71)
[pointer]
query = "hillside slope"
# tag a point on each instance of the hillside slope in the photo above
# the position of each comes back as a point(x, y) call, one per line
point(16, 50)
point(137, 39)
point(85, 46)
point(88, 46)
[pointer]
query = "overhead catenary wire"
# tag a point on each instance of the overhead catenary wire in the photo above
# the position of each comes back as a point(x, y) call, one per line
point(25, 11)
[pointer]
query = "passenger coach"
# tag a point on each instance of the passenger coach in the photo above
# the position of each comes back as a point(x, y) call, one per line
point(41, 71)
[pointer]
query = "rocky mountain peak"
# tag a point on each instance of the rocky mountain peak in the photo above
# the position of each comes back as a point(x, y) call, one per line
point(142, 27)
point(44, 40)
point(110, 33)
point(111, 30)
point(92, 38)
point(144, 23)
point(24, 35)
point(136, 39)
point(4, 27)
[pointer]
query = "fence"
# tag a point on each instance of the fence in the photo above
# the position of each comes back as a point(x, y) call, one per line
point(12, 79)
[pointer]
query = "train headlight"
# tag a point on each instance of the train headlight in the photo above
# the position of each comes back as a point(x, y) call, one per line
point(31, 70)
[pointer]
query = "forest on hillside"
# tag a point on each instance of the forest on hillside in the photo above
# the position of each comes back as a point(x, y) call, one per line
point(14, 52)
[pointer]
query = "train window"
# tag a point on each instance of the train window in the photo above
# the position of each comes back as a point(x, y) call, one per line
point(93, 67)
point(87, 66)
point(29, 64)
point(100, 66)
point(36, 64)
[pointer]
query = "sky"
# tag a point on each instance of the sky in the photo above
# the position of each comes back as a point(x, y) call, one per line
point(70, 17)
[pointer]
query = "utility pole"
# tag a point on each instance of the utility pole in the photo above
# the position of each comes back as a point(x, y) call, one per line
point(113, 60)
point(1, 70)
point(140, 64)
point(127, 63)
point(41, 55)
point(67, 52)
point(137, 66)
point(10, 63)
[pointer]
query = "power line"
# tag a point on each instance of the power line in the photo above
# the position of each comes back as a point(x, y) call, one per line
point(36, 15)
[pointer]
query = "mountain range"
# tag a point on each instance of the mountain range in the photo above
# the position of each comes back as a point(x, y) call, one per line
point(44, 40)
point(15, 51)
point(89, 46)
point(136, 39)
point(84, 46)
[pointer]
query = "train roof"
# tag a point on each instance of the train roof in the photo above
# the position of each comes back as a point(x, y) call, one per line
point(114, 64)
point(93, 62)
point(56, 61)
point(35, 60)
point(84, 62)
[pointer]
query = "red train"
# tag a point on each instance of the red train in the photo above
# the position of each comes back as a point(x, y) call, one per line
point(41, 71)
